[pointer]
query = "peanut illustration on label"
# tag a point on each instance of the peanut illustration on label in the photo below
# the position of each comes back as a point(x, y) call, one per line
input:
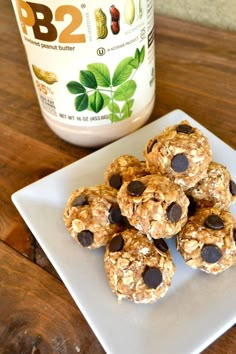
point(101, 23)
point(129, 12)
point(115, 17)
point(43, 75)
point(99, 89)
point(140, 9)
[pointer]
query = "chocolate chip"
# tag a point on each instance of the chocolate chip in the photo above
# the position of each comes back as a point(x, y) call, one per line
point(232, 187)
point(115, 216)
point(150, 147)
point(192, 206)
point(124, 223)
point(184, 128)
point(85, 238)
point(116, 244)
point(211, 253)
point(161, 244)
point(174, 212)
point(152, 277)
point(234, 235)
point(214, 222)
point(115, 181)
point(179, 163)
point(136, 188)
point(80, 200)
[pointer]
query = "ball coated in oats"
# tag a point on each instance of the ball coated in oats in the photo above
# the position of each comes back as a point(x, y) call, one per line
point(217, 189)
point(207, 241)
point(154, 205)
point(136, 269)
point(123, 169)
point(92, 215)
point(180, 152)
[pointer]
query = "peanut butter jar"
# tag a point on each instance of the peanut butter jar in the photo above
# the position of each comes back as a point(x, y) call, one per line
point(92, 65)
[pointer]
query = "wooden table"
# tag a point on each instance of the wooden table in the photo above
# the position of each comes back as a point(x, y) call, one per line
point(196, 72)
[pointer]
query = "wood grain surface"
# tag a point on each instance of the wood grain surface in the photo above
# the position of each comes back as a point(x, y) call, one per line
point(195, 71)
point(38, 314)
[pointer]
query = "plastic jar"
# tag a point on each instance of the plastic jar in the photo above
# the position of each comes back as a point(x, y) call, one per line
point(92, 64)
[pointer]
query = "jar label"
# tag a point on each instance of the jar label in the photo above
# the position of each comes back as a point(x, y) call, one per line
point(92, 62)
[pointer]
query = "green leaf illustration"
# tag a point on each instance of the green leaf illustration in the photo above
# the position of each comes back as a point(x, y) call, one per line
point(142, 55)
point(125, 91)
point(106, 99)
point(98, 89)
point(127, 109)
point(134, 63)
point(75, 87)
point(114, 117)
point(122, 72)
point(127, 105)
point(81, 102)
point(126, 114)
point(96, 101)
point(113, 107)
point(101, 73)
point(88, 79)
point(137, 54)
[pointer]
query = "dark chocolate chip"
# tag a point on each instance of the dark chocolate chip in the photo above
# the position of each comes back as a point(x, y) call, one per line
point(136, 188)
point(124, 223)
point(211, 253)
point(85, 238)
point(184, 128)
point(179, 163)
point(232, 187)
point(161, 244)
point(192, 207)
point(116, 244)
point(174, 212)
point(80, 200)
point(115, 181)
point(152, 277)
point(214, 222)
point(150, 147)
point(115, 216)
point(234, 235)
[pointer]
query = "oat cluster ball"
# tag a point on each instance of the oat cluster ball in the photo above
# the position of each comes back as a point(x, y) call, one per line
point(177, 191)
point(137, 269)
point(217, 189)
point(92, 215)
point(208, 240)
point(123, 169)
point(154, 205)
point(181, 153)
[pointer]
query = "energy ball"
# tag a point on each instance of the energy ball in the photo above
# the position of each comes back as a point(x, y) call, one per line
point(154, 205)
point(207, 241)
point(181, 153)
point(123, 169)
point(92, 215)
point(217, 189)
point(136, 268)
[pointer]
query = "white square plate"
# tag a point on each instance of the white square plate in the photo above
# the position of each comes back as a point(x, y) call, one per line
point(198, 307)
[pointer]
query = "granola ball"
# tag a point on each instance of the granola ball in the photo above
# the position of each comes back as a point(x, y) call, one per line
point(217, 189)
point(136, 268)
point(181, 152)
point(207, 241)
point(92, 215)
point(154, 205)
point(123, 169)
